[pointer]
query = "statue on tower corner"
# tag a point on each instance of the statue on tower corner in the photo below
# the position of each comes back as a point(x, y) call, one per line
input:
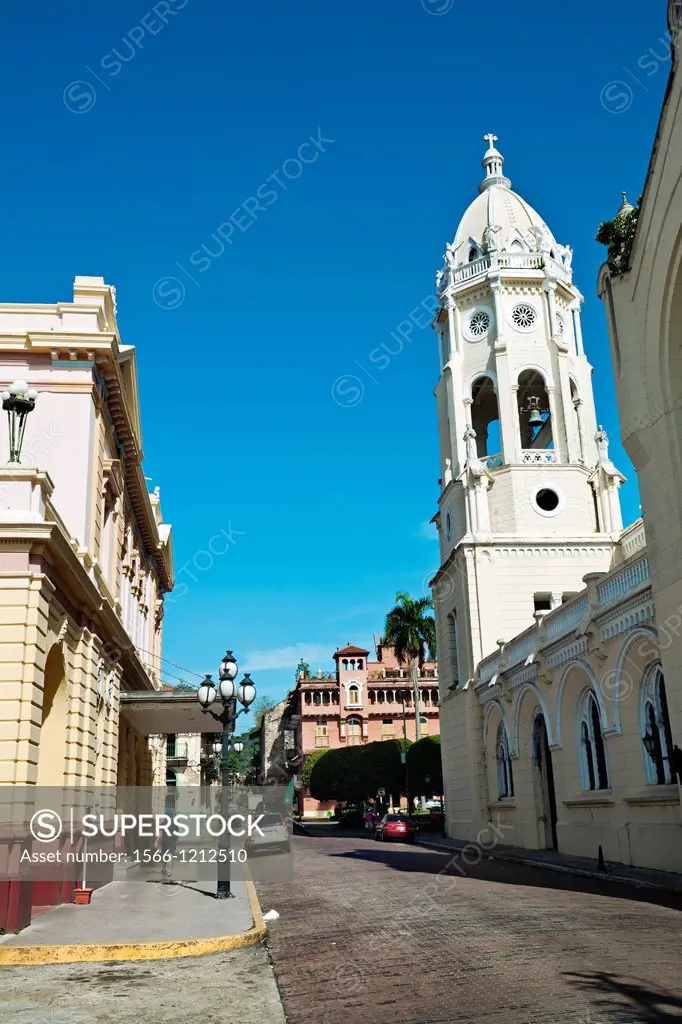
point(489, 242)
point(602, 441)
point(470, 444)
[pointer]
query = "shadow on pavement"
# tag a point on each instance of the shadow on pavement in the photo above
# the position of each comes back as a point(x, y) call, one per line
point(421, 860)
point(651, 1007)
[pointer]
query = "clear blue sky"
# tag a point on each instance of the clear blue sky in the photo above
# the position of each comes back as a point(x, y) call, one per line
point(240, 426)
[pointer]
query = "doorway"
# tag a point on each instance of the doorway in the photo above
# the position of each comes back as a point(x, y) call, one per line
point(545, 796)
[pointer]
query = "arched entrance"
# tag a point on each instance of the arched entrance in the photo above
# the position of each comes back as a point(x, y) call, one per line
point(543, 784)
point(52, 743)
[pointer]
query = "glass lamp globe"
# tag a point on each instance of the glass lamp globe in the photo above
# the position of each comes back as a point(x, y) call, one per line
point(206, 693)
point(19, 387)
point(32, 394)
point(226, 688)
point(246, 691)
point(238, 747)
point(228, 666)
point(218, 747)
point(5, 395)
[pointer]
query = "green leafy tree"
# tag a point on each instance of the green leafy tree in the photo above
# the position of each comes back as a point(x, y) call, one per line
point(618, 235)
point(424, 761)
point(310, 762)
point(411, 632)
point(184, 688)
point(261, 708)
point(303, 668)
point(355, 774)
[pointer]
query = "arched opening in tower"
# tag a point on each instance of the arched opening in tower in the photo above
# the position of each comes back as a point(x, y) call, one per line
point(485, 417)
point(535, 420)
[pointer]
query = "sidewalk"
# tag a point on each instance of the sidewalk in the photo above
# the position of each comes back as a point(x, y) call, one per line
point(643, 878)
point(131, 920)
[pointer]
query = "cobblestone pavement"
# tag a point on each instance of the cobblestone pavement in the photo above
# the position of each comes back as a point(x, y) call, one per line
point(375, 933)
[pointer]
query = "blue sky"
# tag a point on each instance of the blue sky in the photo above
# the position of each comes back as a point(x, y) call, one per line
point(131, 136)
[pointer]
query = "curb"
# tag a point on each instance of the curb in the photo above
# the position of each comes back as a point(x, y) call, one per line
point(602, 876)
point(36, 956)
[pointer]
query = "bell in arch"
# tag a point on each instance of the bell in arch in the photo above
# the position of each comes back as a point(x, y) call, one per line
point(535, 418)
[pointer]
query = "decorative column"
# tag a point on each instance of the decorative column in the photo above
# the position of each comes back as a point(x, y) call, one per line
point(506, 398)
point(551, 394)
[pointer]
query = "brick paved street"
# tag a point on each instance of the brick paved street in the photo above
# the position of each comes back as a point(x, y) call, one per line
point(371, 932)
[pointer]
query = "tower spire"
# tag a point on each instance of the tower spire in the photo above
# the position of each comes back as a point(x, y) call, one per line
point(492, 162)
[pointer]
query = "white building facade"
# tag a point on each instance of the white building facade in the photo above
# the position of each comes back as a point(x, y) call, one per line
point(548, 657)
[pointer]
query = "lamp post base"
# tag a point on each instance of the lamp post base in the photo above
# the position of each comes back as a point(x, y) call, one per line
point(224, 893)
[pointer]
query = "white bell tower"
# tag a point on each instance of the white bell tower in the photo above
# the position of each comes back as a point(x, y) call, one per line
point(529, 501)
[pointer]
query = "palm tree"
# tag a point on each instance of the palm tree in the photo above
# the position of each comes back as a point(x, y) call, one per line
point(411, 632)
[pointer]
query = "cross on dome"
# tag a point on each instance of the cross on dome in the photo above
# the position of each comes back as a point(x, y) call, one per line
point(492, 162)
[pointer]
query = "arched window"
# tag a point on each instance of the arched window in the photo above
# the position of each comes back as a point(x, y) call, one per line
point(353, 732)
point(317, 697)
point(505, 779)
point(592, 753)
point(534, 412)
point(473, 254)
point(485, 417)
point(424, 725)
point(354, 694)
point(359, 664)
point(516, 246)
point(344, 664)
point(656, 733)
point(352, 664)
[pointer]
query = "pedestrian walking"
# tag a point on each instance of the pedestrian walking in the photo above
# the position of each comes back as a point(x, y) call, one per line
point(369, 818)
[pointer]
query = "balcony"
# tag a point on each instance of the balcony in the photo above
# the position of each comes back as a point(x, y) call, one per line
point(176, 754)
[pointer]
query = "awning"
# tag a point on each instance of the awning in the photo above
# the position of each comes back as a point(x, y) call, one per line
point(163, 713)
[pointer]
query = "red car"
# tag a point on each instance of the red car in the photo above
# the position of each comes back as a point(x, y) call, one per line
point(395, 826)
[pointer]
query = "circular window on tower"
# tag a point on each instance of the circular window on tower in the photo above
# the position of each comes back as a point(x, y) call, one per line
point(524, 317)
point(548, 501)
point(478, 323)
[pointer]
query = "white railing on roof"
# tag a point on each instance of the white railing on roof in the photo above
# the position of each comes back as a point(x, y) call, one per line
point(566, 618)
point(624, 582)
point(521, 260)
point(633, 539)
point(469, 270)
point(521, 648)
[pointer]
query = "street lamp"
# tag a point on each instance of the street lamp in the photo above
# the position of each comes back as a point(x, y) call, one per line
point(18, 402)
point(207, 694)
point(238, 747)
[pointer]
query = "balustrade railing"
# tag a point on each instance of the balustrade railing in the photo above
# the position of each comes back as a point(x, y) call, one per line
point(492, 461)
point(564, 619)
point(470, 270)
point(624, 582)
point(521, 648)
point(521, 260)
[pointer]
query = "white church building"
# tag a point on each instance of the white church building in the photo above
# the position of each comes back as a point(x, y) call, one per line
point(554, 713)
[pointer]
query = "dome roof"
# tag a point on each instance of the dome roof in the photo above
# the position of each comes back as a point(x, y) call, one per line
point(499, 218)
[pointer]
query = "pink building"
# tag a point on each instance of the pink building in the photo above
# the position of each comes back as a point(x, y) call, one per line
point(362, 702)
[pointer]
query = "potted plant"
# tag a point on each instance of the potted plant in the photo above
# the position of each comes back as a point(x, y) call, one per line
point(82, 896)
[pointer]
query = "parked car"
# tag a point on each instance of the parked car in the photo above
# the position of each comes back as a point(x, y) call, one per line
point(395, 826)
point(275, 835)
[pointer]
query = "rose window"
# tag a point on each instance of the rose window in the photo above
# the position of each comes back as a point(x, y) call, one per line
point(479, 324)
point(524, 316)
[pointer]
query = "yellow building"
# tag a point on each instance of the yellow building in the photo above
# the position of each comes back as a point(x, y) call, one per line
point(85, 557)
